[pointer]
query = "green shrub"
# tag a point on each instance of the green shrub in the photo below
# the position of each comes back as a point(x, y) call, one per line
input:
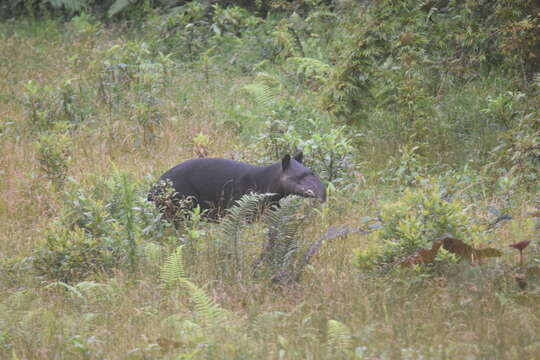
point(35, 103)
point(54, 153)
point(189, 30)
point(518, 154)
point(328, 149)
point(99, 230)
point(46, 105)
point(407, 170)
point(412, 223)
point(70, 255)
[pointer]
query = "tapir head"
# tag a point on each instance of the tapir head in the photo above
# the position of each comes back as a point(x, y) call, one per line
point(296, 179)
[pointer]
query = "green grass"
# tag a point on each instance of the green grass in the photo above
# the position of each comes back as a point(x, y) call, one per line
point(335, 312)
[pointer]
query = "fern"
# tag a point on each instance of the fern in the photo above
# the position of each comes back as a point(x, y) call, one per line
point(282, 235)
point(118, 6)
point(206, 309)
point(339, 337)
point(312, 69)
point(233, 225)
point(70, 5)
point(322, 16)
point(172, 272)
point(286, 36)
point(173, 275)
point(279, 257)
point(536, 81)
point(265, 90)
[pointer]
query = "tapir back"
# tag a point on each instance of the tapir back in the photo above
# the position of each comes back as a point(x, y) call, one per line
point(214, 183)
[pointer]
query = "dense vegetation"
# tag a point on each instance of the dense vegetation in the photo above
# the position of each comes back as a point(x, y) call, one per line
point(421, 117)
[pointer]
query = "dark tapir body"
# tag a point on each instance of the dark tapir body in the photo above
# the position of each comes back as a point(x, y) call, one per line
point(215, 184)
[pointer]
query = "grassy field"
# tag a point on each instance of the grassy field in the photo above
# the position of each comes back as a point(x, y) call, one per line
point(91, 116)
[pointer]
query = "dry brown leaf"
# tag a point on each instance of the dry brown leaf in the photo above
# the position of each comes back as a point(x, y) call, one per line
point(422, 256)
point(458, 247)
point(486, 253)
point(521, 245)
point(451, 244)
point(167, 344)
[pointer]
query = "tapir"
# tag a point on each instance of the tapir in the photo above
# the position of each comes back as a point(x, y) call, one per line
point(215, 184)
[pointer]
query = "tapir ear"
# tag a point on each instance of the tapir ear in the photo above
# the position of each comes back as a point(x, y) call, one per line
point(299, 157)
point(285, 162)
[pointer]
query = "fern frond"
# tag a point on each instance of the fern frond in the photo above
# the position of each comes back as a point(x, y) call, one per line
point(322, 16)
point(312, 68)
point(265, 90)
point(206, 309)
point(173, 275)
point(71, 289)
point(262, 94)
point(233, 224)
point(172, 271)
point(118, 6)
point(70, 5)
point(283, 228)
point(536, 80)
point(339, 337)
point(286, 40)
point(245, 209)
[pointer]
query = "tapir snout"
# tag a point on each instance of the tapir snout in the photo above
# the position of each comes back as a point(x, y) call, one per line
point(313, 187)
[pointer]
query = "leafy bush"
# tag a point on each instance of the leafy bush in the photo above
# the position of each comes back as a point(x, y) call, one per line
point(328, 149)
point(406, 171)
point(131, 66)
point(414, 222)
point(46, 105)
point(54, 153)
point(188, 30)
point(72, 255)
point(518, 155)
point(100, 230)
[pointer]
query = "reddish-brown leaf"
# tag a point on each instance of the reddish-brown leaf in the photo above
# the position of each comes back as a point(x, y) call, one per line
point(521, 245)
point(167, 344)
point(422, 256)
point(458, 247)
point(451, 244)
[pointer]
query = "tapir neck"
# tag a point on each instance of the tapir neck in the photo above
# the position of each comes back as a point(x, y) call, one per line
point(267, 178)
